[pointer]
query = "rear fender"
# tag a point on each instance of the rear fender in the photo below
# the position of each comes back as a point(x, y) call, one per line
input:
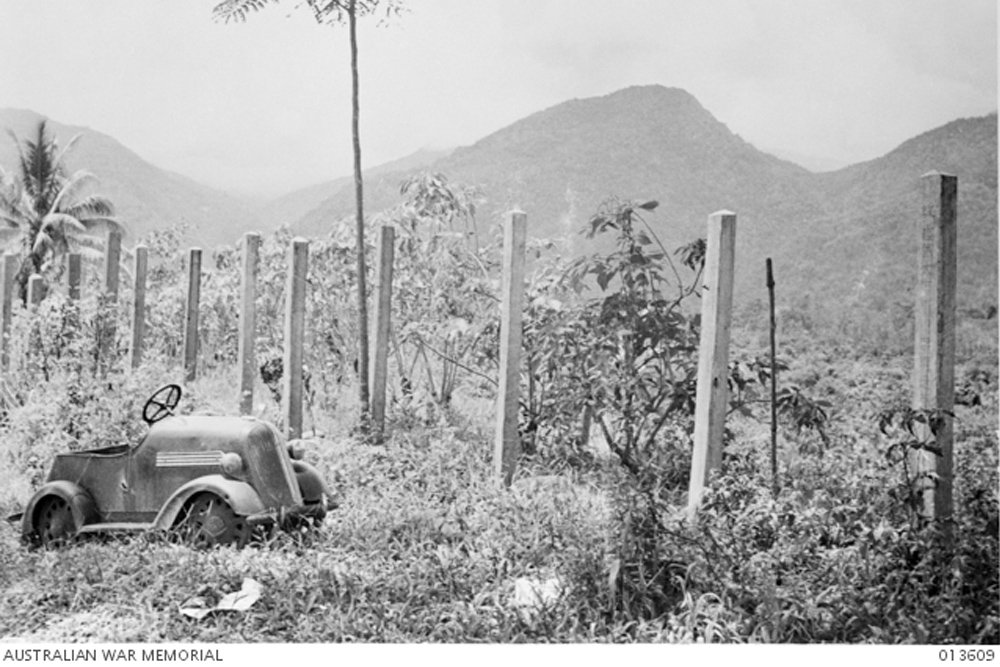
point(240, 496)
point(311, 484)
point(80, 502)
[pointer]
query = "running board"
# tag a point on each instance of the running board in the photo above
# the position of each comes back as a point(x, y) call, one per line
point(120, 527)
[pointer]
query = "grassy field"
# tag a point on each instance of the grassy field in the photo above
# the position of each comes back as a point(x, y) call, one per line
point(425, 548)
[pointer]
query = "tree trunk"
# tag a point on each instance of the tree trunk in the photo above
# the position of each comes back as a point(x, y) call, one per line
point(360, 224)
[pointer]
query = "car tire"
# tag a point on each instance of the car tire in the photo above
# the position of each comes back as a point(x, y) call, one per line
point(207, 521)
point(54, 523)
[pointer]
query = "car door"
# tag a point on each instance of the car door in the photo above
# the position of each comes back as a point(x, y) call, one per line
point(174, 452)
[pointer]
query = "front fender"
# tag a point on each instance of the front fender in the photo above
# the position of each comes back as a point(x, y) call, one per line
point(240, 496)
point(80, 502)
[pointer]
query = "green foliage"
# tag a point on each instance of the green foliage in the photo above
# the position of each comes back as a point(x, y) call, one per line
point(803, 412)
point(425, 548)
point(628, 355)
point(444, 299)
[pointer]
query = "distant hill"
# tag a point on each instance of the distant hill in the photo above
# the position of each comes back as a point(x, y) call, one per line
point(869, 241)
point(845, 237)
point(145, 197)
point(289, 208)
point(648, 142)
point(840, 240)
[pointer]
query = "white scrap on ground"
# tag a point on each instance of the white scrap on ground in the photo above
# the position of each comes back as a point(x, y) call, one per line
point(533, 595)
point(198, 607)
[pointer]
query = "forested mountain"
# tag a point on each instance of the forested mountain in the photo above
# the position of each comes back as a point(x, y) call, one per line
point(847, 237)
point(839, 240)
point(291, 207)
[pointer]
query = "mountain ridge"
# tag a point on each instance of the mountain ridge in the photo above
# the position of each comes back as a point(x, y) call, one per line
point(828, 232)
point(653, 142)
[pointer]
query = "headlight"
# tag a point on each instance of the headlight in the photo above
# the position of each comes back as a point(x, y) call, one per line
point(231, 464)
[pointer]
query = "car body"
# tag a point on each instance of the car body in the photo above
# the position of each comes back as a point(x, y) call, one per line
point(211, 478)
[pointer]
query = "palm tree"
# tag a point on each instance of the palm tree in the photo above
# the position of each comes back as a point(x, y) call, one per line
point(43, 210)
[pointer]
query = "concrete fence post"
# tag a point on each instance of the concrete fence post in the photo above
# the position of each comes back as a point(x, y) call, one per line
point(383, 314)
point(138, 305)
point(934, 349)
point(248, 321)
point(295, 309)
point(74, 275)
point(9, 277)
point(507, 443)
point(712, 397)
point(191, 315)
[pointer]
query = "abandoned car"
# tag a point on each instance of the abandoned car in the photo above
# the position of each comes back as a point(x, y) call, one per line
point(211, 479)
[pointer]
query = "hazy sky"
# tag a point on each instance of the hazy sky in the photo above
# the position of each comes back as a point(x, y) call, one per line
point(264, 106)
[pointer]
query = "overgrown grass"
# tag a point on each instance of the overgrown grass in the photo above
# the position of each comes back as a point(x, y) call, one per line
point(425, 548)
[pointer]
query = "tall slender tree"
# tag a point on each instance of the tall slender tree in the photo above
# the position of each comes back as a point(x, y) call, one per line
point(43, 208)
point(339, 12)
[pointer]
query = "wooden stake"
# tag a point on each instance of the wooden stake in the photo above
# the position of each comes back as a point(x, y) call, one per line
point(934, 364)
point(295, 308)
point(383, 314)
point(774, 384)
point(191, 315)
point(712, 396)
point(507, 444)
point(248, 321)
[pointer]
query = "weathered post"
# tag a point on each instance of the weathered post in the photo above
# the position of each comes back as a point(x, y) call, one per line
point(507, 444)
point(109, 297)
point(712, 396)
point(74, 276)
point(74, 273)
point(295, 310)
point(138, 305)
point(36, 290)
point(112, 260)
point(8, 275)
point(774, 382)
point(934, 364)
point(383, 313)
point(248, 320)
point(191, 315)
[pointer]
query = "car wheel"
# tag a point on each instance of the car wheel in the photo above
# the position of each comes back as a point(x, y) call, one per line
point(208, 520)
point(54, 522)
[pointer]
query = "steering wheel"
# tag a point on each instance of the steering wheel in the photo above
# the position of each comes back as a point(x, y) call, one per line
point(161, 404)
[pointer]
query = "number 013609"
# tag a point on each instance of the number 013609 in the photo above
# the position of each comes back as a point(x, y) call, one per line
point(966, 655)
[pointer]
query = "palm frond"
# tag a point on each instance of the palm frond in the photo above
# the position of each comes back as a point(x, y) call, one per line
point(42, 242)
point(98, 225)
point(87, 251)
point(92, 206)
point(237, 10)
point(88, 242)
point(71, 187)
point(66, 149)
point(57, 223)
point(12, 221)
point(40, 171)
point(10, 200)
